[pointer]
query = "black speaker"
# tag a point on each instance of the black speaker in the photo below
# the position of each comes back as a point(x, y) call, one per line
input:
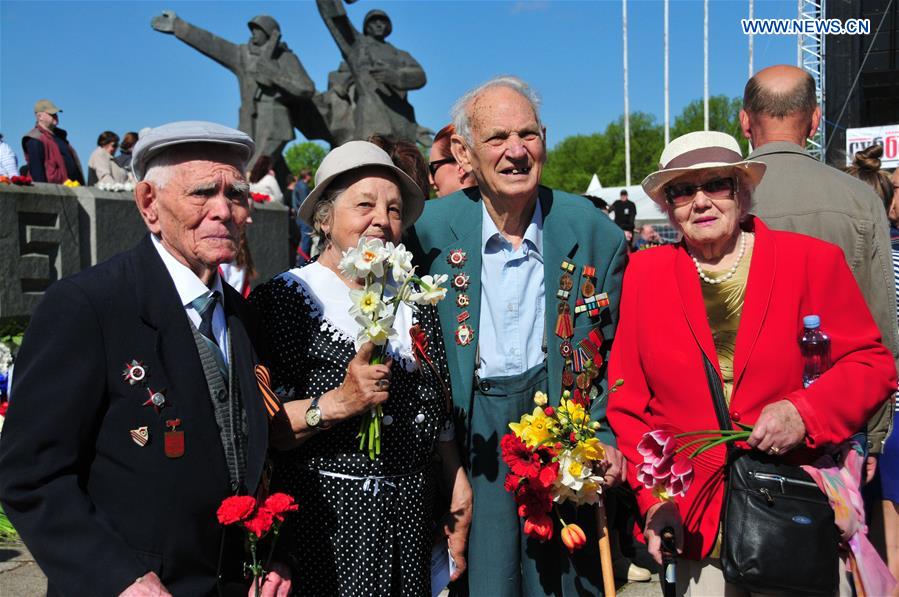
point(874, 100)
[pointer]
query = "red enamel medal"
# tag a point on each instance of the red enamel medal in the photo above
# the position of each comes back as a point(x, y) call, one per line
point(456, 258)
point(134, 372)
point(460, 281)
point(464, 334)
point(174, 439)
point(156, 400)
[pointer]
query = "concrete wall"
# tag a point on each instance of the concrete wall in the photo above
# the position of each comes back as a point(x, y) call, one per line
point(48, 232)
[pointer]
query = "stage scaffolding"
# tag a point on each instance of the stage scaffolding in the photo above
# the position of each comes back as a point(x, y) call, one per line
point(810, 54)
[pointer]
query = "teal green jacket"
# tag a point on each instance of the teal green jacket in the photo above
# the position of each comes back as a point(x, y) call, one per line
point(573, 230)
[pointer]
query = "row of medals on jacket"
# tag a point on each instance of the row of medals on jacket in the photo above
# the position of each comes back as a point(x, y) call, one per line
point(582, 362)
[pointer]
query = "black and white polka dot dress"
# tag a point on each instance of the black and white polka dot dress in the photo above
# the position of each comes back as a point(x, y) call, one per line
point(363, 527)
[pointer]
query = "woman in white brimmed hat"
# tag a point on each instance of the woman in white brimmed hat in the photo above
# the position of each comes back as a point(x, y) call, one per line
point(733, 292)
point(365, 526)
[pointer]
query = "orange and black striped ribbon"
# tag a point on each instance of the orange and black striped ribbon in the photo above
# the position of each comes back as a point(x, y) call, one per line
point(271, 400)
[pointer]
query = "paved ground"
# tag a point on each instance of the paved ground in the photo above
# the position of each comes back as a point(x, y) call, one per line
point(21, 577)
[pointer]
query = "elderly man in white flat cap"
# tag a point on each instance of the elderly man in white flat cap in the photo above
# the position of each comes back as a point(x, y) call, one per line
point(136, 407)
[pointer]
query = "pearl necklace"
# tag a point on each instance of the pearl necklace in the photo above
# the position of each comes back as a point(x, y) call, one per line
point(730, 273)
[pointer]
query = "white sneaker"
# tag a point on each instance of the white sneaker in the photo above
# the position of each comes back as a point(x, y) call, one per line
point(638, 574)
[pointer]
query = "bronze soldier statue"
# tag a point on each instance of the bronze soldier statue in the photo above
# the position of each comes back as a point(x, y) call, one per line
point(271, 80)
point(367, 93)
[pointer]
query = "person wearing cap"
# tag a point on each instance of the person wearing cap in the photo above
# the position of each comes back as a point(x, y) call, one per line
point(367, 94)
point(445, 174)
point(734, 292)
point(271, 78)
point(625, 211)
point(520, 256)
point(50, 156)
point(137, 409)
point(365, 526)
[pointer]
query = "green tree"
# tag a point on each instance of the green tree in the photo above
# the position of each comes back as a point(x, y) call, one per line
point(304, 154)
point(572, 162)
point(724, 116)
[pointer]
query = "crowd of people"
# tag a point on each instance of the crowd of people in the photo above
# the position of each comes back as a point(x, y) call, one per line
point(182, 393)
point(51, 158)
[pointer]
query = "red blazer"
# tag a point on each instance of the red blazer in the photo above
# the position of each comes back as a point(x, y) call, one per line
point(663, 327)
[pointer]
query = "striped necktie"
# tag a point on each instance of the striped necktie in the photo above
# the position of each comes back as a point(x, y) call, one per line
point(205, 306)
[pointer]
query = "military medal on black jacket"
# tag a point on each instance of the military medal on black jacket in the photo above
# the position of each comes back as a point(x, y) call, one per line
point(138, 374)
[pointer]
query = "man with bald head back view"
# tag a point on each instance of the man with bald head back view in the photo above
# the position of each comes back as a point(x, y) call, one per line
point(801, 194)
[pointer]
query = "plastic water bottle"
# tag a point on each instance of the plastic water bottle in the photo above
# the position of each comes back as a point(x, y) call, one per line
point(815, 347)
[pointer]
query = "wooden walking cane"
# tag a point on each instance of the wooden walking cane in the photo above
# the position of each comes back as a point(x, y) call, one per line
point(605, 549)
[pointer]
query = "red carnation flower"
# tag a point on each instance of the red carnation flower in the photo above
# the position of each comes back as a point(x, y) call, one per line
point(521, 460)
point(511, 483)
point(533, 501)
point(279, 504)
point(548, 475)
point(540, 527)
point(261, 522)
point(236, 508)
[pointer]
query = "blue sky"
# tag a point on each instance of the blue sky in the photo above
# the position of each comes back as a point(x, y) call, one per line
point(107, 69)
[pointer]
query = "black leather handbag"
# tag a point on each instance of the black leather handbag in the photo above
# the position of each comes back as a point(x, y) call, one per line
point(778, 533)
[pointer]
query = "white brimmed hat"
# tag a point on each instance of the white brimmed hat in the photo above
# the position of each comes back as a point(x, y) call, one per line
point(184, 132)
point(354, 155)
point(702, 150)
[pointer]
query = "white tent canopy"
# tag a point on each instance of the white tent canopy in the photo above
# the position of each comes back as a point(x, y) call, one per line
point(647, 210)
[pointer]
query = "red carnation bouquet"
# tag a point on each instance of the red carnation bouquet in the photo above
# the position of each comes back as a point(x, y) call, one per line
point(258, 519)
point(260, 197)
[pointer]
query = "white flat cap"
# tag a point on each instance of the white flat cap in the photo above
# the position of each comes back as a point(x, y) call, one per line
point(186, 132)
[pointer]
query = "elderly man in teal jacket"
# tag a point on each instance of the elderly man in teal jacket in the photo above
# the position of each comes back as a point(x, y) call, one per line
point(535, 280)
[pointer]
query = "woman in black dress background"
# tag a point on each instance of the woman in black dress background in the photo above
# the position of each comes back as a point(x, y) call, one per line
point(364, 527)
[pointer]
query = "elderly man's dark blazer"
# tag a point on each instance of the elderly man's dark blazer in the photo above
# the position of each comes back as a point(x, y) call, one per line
point(96, 509)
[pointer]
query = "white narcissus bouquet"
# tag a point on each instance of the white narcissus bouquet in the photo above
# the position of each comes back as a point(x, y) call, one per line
point(389, 280)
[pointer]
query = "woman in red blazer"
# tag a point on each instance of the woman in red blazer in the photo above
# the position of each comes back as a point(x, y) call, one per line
point(737, 292)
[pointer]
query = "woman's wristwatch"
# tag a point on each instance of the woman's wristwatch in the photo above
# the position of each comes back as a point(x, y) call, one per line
point(314, 419)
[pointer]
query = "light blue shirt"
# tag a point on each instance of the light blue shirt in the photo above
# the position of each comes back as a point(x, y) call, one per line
point(512, 300)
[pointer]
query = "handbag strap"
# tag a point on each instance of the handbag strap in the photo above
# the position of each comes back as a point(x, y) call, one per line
point(717, 390)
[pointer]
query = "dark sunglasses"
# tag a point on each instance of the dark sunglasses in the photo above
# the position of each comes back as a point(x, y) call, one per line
point(434, 166)
point(680, 194)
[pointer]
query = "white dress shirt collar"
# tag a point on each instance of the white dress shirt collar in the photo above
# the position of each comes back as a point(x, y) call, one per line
point(188, 285)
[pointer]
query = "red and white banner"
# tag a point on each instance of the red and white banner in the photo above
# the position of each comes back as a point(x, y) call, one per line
point(888, 136)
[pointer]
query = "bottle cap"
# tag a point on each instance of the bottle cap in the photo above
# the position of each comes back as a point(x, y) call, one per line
point(811, 322)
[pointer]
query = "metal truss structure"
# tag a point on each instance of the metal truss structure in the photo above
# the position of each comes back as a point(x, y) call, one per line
point(810, 55)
